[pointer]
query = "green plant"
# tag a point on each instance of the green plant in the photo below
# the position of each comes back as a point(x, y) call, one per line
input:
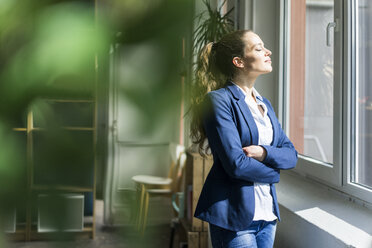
point(212, 25)
point(210, 28)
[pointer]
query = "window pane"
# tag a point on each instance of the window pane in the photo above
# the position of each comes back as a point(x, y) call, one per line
point(318, 116)
point(311, 101)
point(363, 169)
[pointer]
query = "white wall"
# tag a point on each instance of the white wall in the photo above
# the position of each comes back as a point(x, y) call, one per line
point(315, 216)
point(264, 16)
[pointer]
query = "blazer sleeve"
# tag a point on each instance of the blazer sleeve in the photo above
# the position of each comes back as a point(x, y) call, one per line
point(284, 155)
point(224, 140)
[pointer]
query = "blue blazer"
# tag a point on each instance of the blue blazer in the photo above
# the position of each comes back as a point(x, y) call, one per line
point(227, 198)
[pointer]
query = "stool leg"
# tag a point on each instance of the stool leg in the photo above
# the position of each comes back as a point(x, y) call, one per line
point(142, 191)
point(134, 217)
point(145, 212)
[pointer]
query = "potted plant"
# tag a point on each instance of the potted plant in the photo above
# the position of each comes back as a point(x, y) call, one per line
point(212, 25)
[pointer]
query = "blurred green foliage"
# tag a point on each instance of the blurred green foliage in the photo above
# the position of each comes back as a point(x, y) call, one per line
point(151, 46)
point(48, 49)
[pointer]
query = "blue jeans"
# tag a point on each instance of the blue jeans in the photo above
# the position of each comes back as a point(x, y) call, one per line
point(260, 234)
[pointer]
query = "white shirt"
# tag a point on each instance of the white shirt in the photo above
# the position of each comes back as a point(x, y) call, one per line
point(264, 207)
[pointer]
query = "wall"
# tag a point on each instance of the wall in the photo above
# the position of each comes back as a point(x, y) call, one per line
point(314, 215)
point(264, 20)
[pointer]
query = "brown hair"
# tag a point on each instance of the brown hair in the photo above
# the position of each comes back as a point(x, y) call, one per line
point(214, 68)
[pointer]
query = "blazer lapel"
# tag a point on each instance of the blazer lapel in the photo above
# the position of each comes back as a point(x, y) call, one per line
point(246, 112)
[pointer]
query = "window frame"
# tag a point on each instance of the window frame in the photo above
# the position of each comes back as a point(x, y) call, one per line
point(350, 51)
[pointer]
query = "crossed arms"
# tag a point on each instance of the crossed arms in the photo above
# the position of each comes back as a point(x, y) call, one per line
point(253, 163)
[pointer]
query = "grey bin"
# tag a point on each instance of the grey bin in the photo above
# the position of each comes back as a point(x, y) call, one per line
point(9, 222)
point(62, 212)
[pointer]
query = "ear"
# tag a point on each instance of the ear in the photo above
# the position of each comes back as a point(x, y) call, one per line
point(238, 62)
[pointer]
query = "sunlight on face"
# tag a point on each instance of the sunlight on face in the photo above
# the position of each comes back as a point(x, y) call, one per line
point(256, 56)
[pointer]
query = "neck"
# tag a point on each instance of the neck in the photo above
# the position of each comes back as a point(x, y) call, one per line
point(245, 82)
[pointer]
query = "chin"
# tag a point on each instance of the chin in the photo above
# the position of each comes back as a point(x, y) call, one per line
point(268, 70)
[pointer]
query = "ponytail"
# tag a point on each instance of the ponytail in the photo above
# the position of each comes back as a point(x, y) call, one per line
point(207, 75)
point(207, 78)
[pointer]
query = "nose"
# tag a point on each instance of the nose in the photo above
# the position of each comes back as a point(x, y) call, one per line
point(268, 52)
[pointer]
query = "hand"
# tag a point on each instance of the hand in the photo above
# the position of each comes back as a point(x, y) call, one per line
point(256, 152)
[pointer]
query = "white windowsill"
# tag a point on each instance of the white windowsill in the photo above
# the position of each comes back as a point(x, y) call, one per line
point(341, 219)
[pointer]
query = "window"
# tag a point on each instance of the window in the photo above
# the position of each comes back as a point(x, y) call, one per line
point(328, 108)
point(311, 113)
point(318, 84)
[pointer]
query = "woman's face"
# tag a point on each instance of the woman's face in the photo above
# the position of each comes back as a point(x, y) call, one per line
point(256, 56)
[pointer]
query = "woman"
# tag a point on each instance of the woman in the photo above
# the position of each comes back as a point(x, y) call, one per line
point(248, 145)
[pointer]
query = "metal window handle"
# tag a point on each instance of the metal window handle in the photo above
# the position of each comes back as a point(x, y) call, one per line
point(329, 26)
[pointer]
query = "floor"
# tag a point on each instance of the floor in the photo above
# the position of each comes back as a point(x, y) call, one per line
point(157, 235)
